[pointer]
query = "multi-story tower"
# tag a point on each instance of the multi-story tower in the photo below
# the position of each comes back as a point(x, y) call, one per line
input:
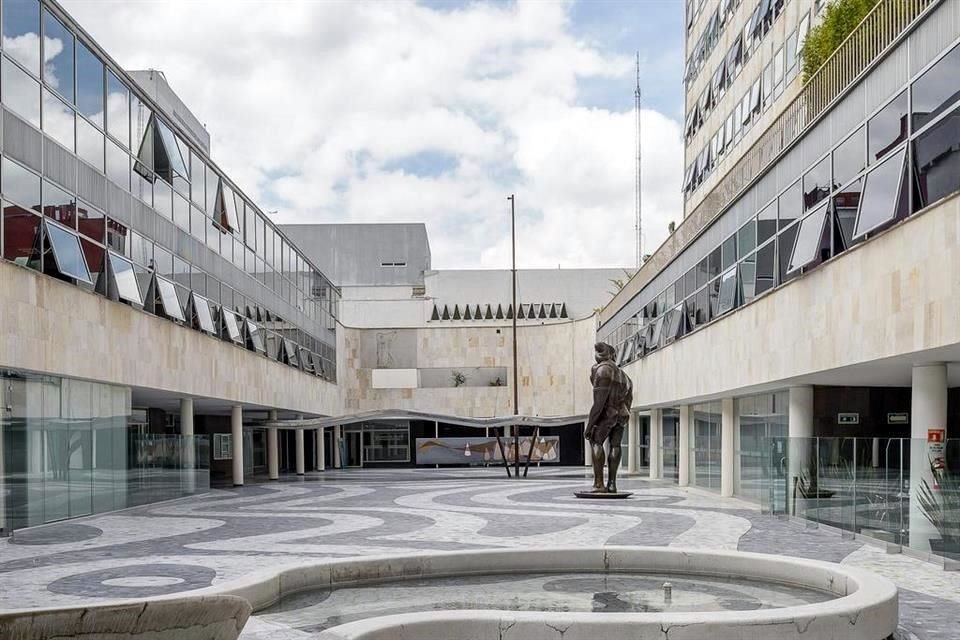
point(805, 293)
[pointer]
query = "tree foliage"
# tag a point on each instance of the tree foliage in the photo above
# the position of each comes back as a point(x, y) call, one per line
point(840, 18)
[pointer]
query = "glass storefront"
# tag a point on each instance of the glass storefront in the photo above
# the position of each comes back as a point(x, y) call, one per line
point(705, 445)
point(763, 419)
point(69, 448)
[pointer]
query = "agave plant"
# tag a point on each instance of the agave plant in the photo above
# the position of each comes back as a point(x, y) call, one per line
point(942, 508)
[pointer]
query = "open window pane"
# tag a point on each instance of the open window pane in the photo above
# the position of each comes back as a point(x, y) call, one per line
point(231, 220)
point(67, 252)
point(806, 249)
point(171, 149)
point(657, 333)
point(201, 311)
point(878, 203)
point(748, 279)
point(936, 157)
point(125, 279)
point(305, 360)
point(936, 90)
point(728, 292)
point(256, 337)
point(887, 129)
point(169, 300)
point(674, 324)
point(291, 349)
point(232, 326)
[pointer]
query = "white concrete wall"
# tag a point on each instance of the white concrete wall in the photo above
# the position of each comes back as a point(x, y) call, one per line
point(894, 295)
point(554, 366)
point(53, 327)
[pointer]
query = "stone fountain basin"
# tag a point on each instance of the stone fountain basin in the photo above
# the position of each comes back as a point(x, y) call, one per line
point(864, 606)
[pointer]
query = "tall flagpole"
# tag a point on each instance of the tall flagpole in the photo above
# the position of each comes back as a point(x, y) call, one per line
point(516, 379)
point(639, 199)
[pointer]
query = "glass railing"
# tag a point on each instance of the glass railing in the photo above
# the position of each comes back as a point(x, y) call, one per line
point(902, 491)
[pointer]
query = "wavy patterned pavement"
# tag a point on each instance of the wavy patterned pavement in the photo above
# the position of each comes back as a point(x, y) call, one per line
point(193, 543)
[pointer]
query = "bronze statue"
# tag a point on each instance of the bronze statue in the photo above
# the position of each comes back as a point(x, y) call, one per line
point(612, 397)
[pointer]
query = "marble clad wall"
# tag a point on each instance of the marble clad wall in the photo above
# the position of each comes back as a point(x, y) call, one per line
point(53, 327)
point(554, 366)
point(898, 293)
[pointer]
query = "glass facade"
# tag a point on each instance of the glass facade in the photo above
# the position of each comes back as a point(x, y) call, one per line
point(71, 448)
point(135, 207)
point(763, 419)
point(705, 445)
point(887, 166)
point(669, 441)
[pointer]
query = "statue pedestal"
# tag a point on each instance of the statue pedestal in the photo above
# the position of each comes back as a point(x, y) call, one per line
point(596, 495)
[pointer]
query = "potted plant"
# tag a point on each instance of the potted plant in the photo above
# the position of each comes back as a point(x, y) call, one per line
point(940, 505)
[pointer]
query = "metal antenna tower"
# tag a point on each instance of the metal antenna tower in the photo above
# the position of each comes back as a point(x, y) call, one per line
point(639, 200)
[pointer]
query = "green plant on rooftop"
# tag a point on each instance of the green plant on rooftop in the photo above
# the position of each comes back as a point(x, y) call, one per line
point(840, 19)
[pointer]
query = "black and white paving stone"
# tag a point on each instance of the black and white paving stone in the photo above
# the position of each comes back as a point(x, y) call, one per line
point(191, 543)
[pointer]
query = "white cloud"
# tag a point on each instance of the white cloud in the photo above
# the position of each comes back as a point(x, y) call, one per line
point(312, 106)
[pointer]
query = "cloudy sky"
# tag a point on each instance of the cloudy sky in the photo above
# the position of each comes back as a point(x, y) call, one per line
point(432, 111)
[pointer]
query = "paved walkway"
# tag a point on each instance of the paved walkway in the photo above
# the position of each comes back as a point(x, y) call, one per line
point(192, 543)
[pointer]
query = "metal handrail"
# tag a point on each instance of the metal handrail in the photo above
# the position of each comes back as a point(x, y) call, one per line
point(877, 31)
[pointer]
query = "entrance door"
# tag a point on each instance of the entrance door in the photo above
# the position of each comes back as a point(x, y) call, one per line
point(353, 449)
point(643, 462)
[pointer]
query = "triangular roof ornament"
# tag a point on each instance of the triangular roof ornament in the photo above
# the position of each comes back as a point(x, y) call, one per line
point(553, 311)
point(436, 313)
point(446, 313)
point(489, 314)
point(543, 311)
point(466, 313)
point(563, 310)
point(456, 312)
point(499, 312)
point(510, 312)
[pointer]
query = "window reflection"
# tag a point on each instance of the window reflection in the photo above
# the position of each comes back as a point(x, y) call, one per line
point(91, 223)
point(125, 279)
point(20, 185)
point(812, 239)
point(766, 267)
point(67, 255)
point(767, 223)
point(816, 184)
point(879, 201)
point(887, 129)
point(848, 158)
point(21, 235)
point(846, 205)
point(21, 32)
point(118, 165)
point(728, 292)
point(936, 158)
point(57, 56)
point(936, 90)
point(89, 84)
point(58, 120)
point(748, 279)
point(118, 109)
point(59, 205)
point(20, 93)
point(790, 205)
point(90, 143)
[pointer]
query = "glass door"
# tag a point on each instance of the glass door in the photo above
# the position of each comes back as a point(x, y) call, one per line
point(353, 448)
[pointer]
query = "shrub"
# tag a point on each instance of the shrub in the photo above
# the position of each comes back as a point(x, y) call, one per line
point(840, 18)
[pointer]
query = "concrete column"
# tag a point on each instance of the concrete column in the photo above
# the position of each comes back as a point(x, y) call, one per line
point(189, 455)
point(656, 433)
point(321, 451)
point(727, 425)
point(337, 437)
point(273, 454)
point(300, 453)
point(236, 428)
point(928, 410)
point(875, 454)
point(273, 449)
point(683, 447)
point(633, 442)
point(800, 444)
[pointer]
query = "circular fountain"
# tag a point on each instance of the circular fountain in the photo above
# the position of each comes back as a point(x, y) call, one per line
point(572, 593)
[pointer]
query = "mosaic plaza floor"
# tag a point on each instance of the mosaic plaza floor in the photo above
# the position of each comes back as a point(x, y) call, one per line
point(195, 542)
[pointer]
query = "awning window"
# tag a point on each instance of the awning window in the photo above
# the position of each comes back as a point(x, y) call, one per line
point(882, 193)
point(168, 299)
point(255, 337)
point(202, 317)
point(67, 252)
point(232, 326)
point(124, 279)
point(728, 291)
point(291, 350)
point(806, 248)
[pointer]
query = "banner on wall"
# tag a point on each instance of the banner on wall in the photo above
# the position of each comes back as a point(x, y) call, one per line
point(935, 447)
point(485, 451)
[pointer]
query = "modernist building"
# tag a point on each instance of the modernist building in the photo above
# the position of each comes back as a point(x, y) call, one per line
point(416, 339)
point(795, 340)
point(144, 298)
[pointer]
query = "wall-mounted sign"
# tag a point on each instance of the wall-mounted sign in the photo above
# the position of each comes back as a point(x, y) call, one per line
point(898, 418)
point(935, 444)
point(848, 418)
